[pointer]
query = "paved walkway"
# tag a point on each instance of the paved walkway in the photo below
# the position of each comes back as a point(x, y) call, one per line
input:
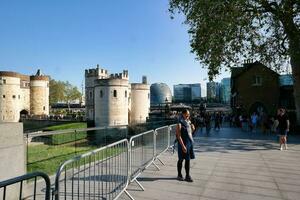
point(229, 164)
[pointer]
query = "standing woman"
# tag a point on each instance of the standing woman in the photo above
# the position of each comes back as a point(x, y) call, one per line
point(184, 134)
point(283, 127)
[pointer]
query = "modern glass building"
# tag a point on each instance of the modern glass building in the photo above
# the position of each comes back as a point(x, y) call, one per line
point(211, 88)
point(160, 93)
point(187, 92)
point(225, 90)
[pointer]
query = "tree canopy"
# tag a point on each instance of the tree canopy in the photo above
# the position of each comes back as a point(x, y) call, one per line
point(61, 91)
point(225, 32)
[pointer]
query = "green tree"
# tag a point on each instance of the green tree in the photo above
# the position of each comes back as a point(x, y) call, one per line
point(71, 93)
point(56, 90)
point(61, 91)
point(225, 32)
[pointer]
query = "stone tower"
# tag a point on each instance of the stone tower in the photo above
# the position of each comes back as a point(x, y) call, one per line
point(23, 95)
point(39, 94)
point(140, 102)
point(90, 76)
point(111, 100)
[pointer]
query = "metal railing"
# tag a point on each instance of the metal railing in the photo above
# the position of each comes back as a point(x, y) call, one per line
point(47, 150)
point(99, 174)
point(8, 192)
point(172, 136)
point(105, 172)
point(162, 138)
point(83, 176)
point(142, 151)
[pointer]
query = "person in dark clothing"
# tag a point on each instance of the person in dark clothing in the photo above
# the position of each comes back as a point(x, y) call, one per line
point(217, 121)
point(283, 127)
point(207, 123)
point(184, 132)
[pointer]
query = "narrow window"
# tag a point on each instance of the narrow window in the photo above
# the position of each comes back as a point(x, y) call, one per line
point(115, 93)
point(257, 80)
point(4, 81)
point(19, 96)
point(148, 95)
point(91, 95)
point(44, 107)
point(14, 96)
point(3, 96)
point(125, 93)
point(101, 93)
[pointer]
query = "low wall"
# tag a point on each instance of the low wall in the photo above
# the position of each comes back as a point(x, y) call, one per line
point(12, 155)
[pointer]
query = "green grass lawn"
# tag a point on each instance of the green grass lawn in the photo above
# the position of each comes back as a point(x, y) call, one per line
point(47, 158)
point(67, 126)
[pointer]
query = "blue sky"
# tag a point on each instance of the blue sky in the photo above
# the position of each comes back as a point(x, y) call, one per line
point(64, 37)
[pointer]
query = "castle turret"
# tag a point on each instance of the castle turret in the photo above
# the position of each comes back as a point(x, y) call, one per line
point(111, 101)
point(10, 97)
point(140, 102)
point(90, 76)
point(39, 94)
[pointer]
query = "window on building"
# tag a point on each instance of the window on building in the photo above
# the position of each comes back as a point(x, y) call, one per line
point(101, 93)
point(3, 96)
point(91, 95)
point(4, 81)
point(14, 96)
point(19, 97)
point(44, 108)
point(115, 93)
point(125, 93)
point(257, 80)
point(148, 95)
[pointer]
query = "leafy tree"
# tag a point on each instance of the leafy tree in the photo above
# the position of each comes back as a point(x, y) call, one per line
point(56, 90)
point(71, 93)
point(225, 32)
point(61, 91)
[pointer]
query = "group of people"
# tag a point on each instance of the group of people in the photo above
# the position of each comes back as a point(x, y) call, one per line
point(206, 119)
point(185, 130)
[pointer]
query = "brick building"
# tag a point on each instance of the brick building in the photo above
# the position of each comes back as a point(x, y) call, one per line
point(254, 88)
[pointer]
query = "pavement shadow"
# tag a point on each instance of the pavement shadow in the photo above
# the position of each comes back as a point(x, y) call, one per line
point(155, 178)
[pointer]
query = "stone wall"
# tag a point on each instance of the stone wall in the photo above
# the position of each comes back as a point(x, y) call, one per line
point(12, 154)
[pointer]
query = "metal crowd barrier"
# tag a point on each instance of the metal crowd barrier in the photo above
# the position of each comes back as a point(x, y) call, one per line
point(10, 192)
point(99, 174)
point(142, 152)
point(105, 173)
point(172, 136)
point(162, 138)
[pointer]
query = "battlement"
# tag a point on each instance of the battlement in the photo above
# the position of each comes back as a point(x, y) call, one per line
point(123, 75)
point(96, 72)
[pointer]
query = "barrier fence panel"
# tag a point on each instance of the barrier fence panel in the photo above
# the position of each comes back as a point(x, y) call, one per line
point(141, 153)
point(16, 188)
point(162, 135)
point(99, 174)
point(47, 150)
point(172, 136)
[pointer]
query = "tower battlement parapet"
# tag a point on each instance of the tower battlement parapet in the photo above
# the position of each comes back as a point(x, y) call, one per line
point(123, 75)
point(96, 72)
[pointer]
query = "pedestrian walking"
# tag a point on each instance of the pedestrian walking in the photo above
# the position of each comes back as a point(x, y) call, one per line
point(184, 134)
point(201, 122)
point(283, 127)
point(207, 123)
point(217, 121)
point(254, 119)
